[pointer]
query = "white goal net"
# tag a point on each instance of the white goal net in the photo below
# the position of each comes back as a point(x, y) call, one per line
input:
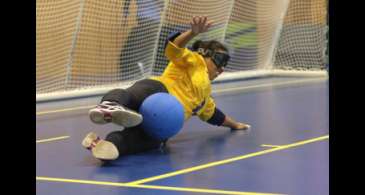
point(89, 46)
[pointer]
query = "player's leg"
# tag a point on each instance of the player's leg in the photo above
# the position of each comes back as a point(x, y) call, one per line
point(132, 140)
point(118, 143)
point(114, 107)
point(121, 106)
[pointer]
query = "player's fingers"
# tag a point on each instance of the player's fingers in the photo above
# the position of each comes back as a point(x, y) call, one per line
point(198, 20)
point(204, 20)
point(195, 20)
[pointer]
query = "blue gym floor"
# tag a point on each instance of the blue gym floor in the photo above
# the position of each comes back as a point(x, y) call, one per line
point(285, 152)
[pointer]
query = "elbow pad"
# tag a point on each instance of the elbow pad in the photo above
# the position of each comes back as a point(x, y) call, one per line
point(171, 37)
point(217, 118)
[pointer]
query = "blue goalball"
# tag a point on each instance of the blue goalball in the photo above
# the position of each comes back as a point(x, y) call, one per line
point(163, 116)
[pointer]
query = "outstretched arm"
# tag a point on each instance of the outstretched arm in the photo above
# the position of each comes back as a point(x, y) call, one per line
point(199, 24)
point(215, 116)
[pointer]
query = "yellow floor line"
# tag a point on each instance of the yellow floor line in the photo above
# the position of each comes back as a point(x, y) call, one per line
point(198, 190)
point(270, 146)
point(52, 139)
point(204, 166)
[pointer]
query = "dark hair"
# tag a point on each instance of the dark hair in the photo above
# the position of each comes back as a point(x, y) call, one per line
point(212, 45)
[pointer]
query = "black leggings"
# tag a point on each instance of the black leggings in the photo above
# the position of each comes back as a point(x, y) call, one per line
point(134, 139)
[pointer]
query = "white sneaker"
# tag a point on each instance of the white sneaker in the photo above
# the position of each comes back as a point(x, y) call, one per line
point(101, 149)
point(113, 112)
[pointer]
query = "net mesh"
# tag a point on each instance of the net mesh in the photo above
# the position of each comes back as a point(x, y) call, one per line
point(302, 43)
point(83, 44)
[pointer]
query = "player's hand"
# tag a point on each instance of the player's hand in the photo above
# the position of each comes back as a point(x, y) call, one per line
point(240, 126)
point(200, 24)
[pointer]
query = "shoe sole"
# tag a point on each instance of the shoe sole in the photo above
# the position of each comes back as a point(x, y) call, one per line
point(86, 141)
point(123, 118)
point(97, 117)
point(126, 118)
point(103, 155)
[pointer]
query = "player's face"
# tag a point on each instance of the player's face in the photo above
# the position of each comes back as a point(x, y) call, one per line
point(213, 70)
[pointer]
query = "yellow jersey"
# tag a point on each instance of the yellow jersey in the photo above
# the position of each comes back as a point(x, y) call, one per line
point(186, 77)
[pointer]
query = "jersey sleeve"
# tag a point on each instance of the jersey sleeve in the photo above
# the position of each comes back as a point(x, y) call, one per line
point(182, 57)
point(212, 114)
